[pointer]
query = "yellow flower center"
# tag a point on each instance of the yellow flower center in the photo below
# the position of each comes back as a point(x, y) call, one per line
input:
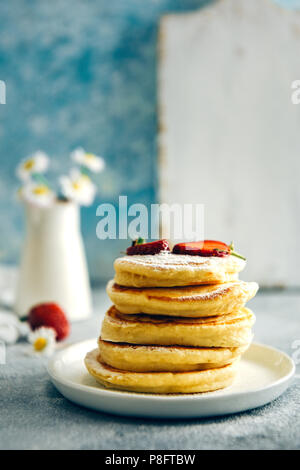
point(40, 344)
point(76, 185)
point(90, 155)
point(41, 190)
point(29, 164)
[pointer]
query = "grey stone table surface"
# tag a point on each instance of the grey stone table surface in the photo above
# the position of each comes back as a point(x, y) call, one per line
point(34, 415)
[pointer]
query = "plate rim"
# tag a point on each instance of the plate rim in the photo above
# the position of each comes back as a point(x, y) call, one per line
point(163, 397)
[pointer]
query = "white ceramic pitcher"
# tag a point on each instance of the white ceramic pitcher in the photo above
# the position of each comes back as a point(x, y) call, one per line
point(53, 264)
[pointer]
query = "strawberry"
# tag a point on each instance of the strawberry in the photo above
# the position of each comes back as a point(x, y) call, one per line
point(52, 316)
point(139, 247)
point(206, 248)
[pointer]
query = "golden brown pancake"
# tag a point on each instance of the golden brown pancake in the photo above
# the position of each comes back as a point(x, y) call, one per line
point(227, 331)
point(154, 358)
point(192, 301)
point(170, 270)
point(159, 382)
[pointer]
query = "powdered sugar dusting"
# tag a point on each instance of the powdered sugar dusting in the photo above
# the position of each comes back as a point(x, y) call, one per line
point(166, 260)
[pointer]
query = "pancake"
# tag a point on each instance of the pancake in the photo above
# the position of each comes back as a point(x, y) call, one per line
point(195, 301)
point(152, 358)
point(224, 331)
point(169, 270)
point(159, 382)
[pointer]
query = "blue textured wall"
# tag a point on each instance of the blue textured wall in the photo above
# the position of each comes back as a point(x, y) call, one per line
point(81, 73)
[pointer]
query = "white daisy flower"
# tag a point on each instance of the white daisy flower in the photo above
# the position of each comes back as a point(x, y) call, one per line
point(38, 163)
point(89, 160)
point(78, 187)
point(37, 193)
point(43, 340)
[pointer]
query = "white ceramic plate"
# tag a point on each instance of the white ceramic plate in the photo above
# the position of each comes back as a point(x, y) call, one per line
point(264, 374)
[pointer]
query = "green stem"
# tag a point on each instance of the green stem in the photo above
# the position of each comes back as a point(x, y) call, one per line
point(233, 253)
point(84, 171)
point(41, 178)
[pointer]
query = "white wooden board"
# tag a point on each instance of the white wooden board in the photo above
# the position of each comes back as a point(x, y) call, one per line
point(229, 133)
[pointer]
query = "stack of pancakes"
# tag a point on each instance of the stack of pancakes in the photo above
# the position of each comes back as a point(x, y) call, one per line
point(178, 324)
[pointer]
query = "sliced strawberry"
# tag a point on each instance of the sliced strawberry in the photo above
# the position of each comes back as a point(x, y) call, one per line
point(205, 248)
point(151, 248)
